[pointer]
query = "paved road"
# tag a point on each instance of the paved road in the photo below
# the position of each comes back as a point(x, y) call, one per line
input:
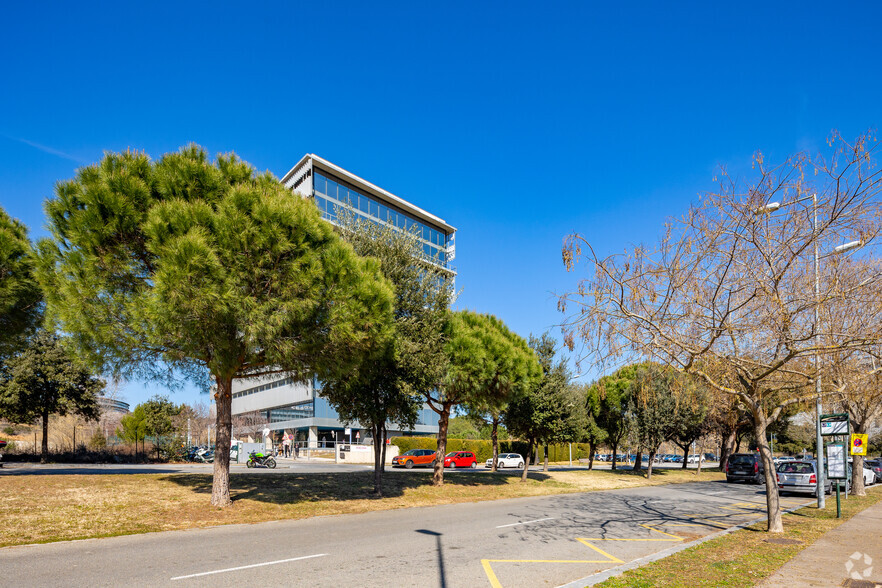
point(543, 541)
point(299, 466)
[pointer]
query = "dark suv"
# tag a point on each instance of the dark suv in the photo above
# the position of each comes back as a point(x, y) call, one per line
point(745, 467)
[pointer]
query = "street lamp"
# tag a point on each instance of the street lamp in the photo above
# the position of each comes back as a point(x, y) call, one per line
point(819, 450)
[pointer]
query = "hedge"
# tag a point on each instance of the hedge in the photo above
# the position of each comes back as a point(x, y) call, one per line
point(483, 449)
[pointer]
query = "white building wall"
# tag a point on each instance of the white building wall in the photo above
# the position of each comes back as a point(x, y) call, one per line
point(272, 397)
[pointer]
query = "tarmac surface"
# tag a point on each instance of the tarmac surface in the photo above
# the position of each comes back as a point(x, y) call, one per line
point(538, 541)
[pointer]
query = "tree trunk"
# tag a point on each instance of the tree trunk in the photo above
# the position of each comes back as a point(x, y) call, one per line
point(545, 466)
point(685, 455)
point(773, 506)
point(592, 447)
point(527, 461)
point(649, 468)
point(379, 434)
point(44, 446)
point(638, 460)
point(857, 476)
point(383, 456)
point(495, 437)
point(701, 456)
point(728, 447)
point(615, 452)
point(223, 398)
point(438, 474)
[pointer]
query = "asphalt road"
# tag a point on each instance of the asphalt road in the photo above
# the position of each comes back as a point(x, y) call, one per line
point(299, 466)
point(542, 541)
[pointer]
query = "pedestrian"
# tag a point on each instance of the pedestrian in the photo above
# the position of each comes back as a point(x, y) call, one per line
point(286, 444)
point(296, 451)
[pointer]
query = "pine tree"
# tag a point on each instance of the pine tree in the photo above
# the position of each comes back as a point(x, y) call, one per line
point(389, 386)
point(19, 293)
point(44, 380)
point(206, 269)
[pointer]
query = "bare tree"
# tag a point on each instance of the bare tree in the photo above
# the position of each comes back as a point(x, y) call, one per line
point(727, 294)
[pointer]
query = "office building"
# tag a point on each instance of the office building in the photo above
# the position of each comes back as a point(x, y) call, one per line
point(296, 406)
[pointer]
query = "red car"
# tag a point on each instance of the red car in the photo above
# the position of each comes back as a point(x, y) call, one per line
point(460, 459)
point(415, 457)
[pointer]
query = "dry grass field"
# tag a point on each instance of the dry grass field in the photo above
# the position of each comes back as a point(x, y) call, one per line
point(45, 508)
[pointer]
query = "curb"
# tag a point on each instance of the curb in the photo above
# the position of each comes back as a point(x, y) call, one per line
point(619, 570)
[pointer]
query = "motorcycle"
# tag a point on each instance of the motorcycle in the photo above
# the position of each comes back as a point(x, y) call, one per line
point(200, 455)
point(260, 460)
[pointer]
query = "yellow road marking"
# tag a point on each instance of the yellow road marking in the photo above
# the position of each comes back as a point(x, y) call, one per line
point(612, 558)
point(736, 508)
point(494, 581)
point(673, 537)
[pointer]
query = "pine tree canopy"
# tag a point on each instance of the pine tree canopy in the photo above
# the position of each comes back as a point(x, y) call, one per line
point(201, 266)
point(19, 293)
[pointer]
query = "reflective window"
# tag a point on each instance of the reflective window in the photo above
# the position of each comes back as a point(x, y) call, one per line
point(366, 207)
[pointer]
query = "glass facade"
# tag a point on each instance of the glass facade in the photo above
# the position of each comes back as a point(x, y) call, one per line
point(330, 195)
point(319, 408)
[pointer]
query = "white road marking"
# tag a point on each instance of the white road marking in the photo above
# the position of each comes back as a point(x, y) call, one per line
point(525, 522)
point(269, 563)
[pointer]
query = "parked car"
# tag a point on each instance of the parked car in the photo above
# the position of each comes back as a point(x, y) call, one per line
point(869, 475)
point(876, 466)
point(711, 457)
point(800, 476)
point(745, 467)
point(507, 460)
point(415, 457)
point(695, 457)
point(783, 458)
point(460, 459)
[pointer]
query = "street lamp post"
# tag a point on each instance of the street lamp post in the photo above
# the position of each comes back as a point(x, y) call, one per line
point(819, 442)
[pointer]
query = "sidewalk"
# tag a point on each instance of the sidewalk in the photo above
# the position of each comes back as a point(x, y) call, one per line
point(849, 555)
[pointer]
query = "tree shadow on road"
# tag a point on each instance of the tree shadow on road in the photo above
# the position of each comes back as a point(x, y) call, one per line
point(287, 488)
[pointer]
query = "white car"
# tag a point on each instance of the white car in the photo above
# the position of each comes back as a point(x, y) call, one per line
point(869, 476)
point(507, 460)
point(694, 458)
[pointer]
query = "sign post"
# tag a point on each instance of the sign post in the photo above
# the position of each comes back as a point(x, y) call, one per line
point(836, 427)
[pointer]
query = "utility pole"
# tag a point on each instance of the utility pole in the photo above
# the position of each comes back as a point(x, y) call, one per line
point(819, 452)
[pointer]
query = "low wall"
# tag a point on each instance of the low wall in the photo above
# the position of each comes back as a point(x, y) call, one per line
point(362, 453)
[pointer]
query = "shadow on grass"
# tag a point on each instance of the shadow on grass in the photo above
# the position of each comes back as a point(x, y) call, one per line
point(284, 488)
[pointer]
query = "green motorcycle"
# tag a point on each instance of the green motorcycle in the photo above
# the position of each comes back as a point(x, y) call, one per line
point(257, 459)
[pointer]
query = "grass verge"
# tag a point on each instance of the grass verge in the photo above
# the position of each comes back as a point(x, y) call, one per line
point(44, 508)
point(743, 558)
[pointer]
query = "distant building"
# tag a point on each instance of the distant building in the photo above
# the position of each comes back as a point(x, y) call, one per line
point(110, 405)
point(295, 406)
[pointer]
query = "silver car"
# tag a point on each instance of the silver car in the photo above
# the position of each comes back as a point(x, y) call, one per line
point(800, 476)
point(507, 460)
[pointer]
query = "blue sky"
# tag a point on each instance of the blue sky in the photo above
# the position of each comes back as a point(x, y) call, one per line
point(517, 123)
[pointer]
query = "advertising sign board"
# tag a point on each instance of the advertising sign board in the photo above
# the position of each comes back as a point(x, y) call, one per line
point(836, 463)
point(834, 424)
